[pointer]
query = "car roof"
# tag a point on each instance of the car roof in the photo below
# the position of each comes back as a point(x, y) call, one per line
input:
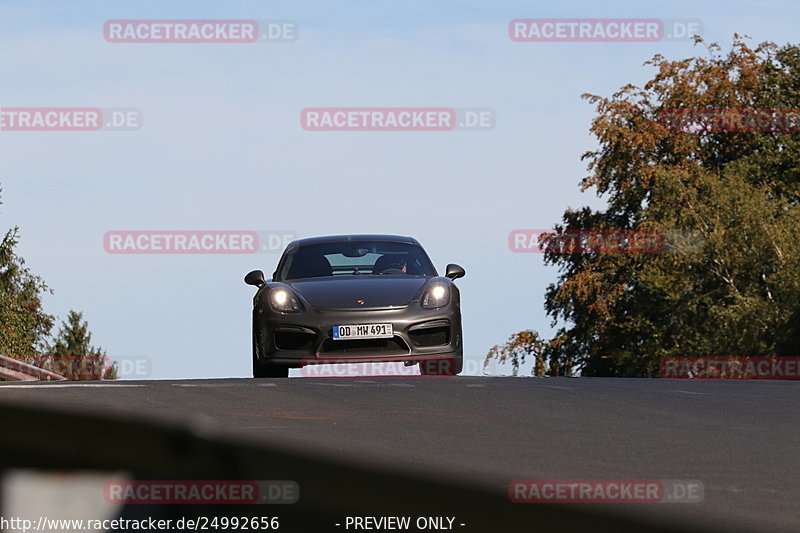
point(351, 238)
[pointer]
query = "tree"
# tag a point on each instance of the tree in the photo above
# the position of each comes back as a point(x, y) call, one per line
point(72, 354)
point(738, 191)
point(24, 326)
point(525, 344)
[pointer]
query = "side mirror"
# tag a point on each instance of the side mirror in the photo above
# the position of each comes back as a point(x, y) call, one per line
point(454, 272)
point(256, 277)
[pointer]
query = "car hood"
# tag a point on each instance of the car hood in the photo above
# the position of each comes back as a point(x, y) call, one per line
point(344, 292)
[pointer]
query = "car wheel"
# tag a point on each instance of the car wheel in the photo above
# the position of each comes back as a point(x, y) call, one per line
point(441, 367)
point(271, 371)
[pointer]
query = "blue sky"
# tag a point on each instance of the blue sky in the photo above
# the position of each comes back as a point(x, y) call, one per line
point(222, 148)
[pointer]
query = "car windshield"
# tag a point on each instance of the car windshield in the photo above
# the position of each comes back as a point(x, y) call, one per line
point(356, 258)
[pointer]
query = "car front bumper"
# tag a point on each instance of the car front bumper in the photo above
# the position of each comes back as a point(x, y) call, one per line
point(306, 338)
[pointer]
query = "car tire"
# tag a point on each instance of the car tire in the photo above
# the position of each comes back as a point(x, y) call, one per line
point(272, 371)
point(441, 367)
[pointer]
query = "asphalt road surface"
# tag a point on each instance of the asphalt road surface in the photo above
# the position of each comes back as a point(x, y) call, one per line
point(741, 440)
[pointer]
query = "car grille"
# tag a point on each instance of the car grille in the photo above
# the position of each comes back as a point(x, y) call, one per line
point(430, 333)
point(294, 340)
point(393, 346)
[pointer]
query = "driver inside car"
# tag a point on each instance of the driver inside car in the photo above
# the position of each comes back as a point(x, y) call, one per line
point(387, 264)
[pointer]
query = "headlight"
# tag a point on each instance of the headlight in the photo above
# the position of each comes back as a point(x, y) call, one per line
point(437, 295)
point(283, 301)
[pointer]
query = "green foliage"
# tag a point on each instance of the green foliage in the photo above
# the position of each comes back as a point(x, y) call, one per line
point(738, 291)
point(72, 354)
point(25, 327)
point(528, 343)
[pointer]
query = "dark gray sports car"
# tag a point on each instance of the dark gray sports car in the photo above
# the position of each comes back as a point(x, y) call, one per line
point(356, 299)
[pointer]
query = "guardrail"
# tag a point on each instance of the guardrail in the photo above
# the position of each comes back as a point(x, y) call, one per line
point(14, 370)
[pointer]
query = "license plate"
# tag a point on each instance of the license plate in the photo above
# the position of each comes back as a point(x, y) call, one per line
point(363, 331)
